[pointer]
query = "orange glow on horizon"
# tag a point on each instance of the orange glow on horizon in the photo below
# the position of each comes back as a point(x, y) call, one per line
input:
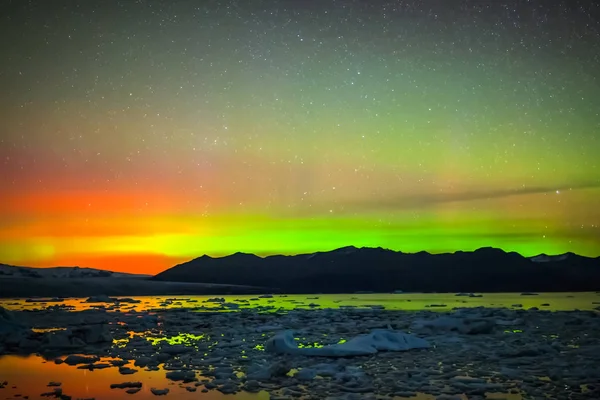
point(81, 202)
point(147, 264)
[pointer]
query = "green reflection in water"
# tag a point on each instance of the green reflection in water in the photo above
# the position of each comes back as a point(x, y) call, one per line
point(186, 339)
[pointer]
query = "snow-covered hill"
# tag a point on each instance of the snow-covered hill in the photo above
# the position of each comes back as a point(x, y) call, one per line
point(11, 271)
point(546, 258)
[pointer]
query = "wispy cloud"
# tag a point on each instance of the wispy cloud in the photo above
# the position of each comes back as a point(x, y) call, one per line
point(425, 200)
point(441, 197)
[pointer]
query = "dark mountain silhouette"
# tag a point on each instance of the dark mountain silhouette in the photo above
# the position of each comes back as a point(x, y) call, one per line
point(350, 269)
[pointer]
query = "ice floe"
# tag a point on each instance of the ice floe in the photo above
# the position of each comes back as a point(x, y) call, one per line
point(377, 340)
point(159, 392)
point(126, 385)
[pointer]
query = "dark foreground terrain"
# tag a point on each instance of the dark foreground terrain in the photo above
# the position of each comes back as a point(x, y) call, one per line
point(351, 269)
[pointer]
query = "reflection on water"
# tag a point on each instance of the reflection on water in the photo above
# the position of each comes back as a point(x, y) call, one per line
point(32, 374)
point(402, 301)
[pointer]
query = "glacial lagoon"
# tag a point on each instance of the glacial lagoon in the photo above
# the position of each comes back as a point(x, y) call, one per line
point(494, 346)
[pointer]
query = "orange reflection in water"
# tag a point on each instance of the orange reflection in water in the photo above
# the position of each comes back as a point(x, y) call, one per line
point(557, 301)
point(32, 374)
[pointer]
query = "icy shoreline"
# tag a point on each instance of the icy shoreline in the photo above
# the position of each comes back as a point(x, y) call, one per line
point(473, 351)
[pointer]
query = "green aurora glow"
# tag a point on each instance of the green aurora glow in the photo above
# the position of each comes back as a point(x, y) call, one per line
point(137, 135)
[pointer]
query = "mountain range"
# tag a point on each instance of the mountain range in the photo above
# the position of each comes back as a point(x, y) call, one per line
point(351, 269)
point(60, 282)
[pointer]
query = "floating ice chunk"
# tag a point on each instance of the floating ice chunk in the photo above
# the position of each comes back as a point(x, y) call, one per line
point(262, 372)
point(377, 340)
point(55, 393)
point(468, 380)
point(127, 371)
point(306, 374)
point(462, 325)
point(259, 374)
point(93, 334)
point(12, 332)
point(128, 300)
point(503, 322)
point(267, 328)
point(228, 388)
point(58, 340)
point(6, 316)
point(174, 349)
point(78, 337)
point(126, 385)
point(215, 300)
point(100, 299)
point(251, 386)
point(468, 383)
point(234, 343)
point(159, 392)
point(327, 370)
point(442, 323)
point(142, 361)
point(94, 366)
point(107, 299)
point(186, 376)
point(75, 359)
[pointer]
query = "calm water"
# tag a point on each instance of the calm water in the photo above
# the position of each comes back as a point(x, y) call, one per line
point(31, 374)
point(402, 301)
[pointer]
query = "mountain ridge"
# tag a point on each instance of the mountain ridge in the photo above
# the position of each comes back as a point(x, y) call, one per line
point(350, 269)
point(569, 253)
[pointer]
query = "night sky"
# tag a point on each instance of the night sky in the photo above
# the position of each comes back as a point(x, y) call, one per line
point(138, 134)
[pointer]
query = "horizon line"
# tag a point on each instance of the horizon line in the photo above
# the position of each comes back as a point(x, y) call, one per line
point(309, 253)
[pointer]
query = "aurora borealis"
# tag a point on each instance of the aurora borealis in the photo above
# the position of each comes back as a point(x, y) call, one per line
point(138, 134)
